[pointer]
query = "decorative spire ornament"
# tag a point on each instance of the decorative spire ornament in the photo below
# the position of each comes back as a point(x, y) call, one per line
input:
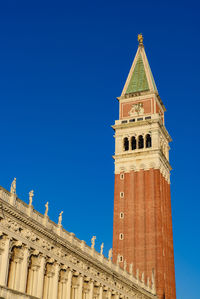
point(140, 39)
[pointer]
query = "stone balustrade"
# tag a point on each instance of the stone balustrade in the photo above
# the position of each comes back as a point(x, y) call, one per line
point(8, 293)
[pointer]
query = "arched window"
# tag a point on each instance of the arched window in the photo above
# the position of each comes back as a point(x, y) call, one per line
point(126, 144)
point(133, 143)
point(148, 140)
point(140, 142)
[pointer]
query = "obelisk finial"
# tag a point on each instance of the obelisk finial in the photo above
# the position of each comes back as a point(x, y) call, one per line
point(140, 39)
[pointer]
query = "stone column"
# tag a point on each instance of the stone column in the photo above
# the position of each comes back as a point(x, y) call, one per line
point(101, 292)
point(62, 284)
point(69, 284)
point(75, 290)
point(33, 275)
point(109, 294)
point(41, 277)
point(91, 289)
point(75, 285)
point(24, 270)
point(15, 267)
point(129, 140)
point(55, 282)
point(17, 261)
point(155, 139)
point(117, 296)
point(49, 280)
point(4, 259)
point(85, 289)
point(80, 288)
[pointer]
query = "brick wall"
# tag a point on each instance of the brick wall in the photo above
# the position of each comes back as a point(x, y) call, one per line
point(147, 227)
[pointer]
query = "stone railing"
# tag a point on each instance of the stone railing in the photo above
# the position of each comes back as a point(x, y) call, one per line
point(8, 293)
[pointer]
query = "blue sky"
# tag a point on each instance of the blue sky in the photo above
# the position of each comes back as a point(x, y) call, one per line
point(62, 64)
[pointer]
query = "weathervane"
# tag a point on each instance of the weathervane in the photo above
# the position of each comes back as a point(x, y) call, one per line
point(140, 39)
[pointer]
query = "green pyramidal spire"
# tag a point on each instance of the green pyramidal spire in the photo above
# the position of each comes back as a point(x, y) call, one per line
point(140, 77)
point(138, 80)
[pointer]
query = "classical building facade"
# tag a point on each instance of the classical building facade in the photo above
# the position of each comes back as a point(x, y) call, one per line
point(39, 259)
point(142, 230)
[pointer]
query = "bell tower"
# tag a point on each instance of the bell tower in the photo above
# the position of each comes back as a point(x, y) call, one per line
point(142, 226)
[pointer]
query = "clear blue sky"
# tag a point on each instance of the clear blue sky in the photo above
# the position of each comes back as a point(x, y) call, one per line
point(62, 63)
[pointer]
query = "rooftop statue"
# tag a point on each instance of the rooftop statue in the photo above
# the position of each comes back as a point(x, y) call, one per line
point(110, 254)
point(60, 218)
point(102, 246)
point(47, 209)
point(93, 242)
point(13, 187)
point(31, 194)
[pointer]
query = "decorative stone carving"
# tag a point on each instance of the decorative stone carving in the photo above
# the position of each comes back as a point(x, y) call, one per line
point(137, 109)
point(11, 224)
point(31, 194)
point(13, 187)
point(102, 246)
point(29, 235)
point(1, 212)
point(142, 278)
point(2, 242)
point(63, 275)
point(93, 242)
point(60, 218)
point(46, 245)
point(47, 209)
point(17, 255)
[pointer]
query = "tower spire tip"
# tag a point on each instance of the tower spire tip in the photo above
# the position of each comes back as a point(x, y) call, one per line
point(140, 39)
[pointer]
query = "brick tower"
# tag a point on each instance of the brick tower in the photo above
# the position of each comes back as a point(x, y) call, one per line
point(142, 228)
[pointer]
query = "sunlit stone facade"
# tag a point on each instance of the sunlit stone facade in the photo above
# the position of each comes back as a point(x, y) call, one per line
point(39, 259)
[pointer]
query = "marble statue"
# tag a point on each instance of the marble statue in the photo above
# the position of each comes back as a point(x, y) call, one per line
point(13, 187)
point(60, 218)
point(110, 254)
point(142, 278)
point(93, 242)
point(31, 194)
point(47, 209)
point(102, 246)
